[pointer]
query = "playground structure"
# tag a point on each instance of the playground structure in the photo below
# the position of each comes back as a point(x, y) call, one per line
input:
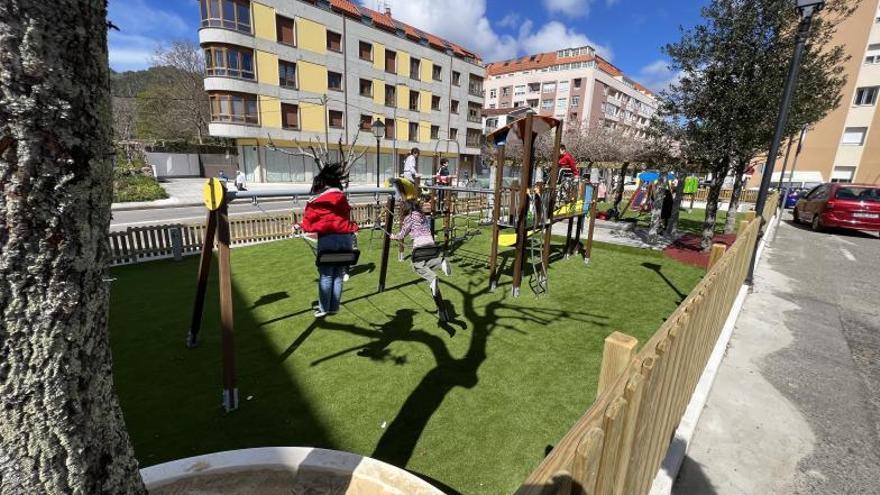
point(535, 207)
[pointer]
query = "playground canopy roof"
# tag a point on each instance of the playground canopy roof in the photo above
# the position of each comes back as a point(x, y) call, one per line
point(513, 133)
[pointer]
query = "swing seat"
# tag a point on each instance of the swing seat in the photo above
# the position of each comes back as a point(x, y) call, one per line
point(508, 240)
point(426, 253)
point(338, 258)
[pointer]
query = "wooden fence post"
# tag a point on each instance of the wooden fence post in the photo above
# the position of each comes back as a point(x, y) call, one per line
point(743, 225)
point(750, 215)
point(715, 255)
point(585, 466)
point(616, 356)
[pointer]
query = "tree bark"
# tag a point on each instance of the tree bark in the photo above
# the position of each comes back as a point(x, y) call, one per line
point(660, 190)
point(618, 191)
point(61, 427)
point(736, 194)
point(672, 226)
point(718, 176)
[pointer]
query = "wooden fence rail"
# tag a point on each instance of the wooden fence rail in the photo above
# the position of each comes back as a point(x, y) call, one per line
point(749, 196)
point(618, 445)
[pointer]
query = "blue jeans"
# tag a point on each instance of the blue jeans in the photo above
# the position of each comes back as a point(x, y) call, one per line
point(330, 277)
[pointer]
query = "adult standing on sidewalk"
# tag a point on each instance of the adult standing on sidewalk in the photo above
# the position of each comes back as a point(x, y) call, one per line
point(240, 180)
point(411, 166)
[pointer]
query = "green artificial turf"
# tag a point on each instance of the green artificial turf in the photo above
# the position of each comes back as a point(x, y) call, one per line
point(471, 407)
point(689, 222)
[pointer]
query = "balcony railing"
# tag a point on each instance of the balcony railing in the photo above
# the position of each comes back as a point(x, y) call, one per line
point(475, 90)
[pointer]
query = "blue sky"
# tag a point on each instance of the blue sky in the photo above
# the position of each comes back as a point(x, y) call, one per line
point(629, 32)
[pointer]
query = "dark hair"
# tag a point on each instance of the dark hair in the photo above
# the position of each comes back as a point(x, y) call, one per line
point(444, 161)
point(562, 147)
point(414, 151)
point(333, 175)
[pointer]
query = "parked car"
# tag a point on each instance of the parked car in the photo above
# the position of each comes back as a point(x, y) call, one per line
point(849, 206)
point(793, 196)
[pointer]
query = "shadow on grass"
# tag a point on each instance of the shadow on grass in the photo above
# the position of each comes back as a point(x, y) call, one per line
point(398, 442)
point(658, 269)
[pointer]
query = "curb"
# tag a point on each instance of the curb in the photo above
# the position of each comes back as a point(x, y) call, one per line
point(684, 434)
point(135, 207)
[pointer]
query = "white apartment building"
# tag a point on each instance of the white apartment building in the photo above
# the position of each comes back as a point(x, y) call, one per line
point(573, 84)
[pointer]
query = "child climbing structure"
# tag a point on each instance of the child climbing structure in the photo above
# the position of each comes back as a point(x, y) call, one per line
point(534, 209)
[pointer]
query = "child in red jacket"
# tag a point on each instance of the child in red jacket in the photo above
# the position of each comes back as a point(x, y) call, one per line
point(329, 216)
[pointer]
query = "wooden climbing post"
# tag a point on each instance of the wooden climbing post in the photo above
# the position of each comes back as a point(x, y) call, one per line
point(522, 215)
point(192, 339)
point(386, 243)
point(496, 217)
point(230, 389)
point(588, 249)
point(551, 195)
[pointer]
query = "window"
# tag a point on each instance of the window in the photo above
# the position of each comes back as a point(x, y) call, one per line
point(390, 96)
point(366, 122)
point(365, 51)
point(334, 42)
point(415, 68)
point(334, 81)
point(549, 87)
point(366, 88)
point(229, 61)
point(493, 93)
point(286, 30)
point(561, 105)
point(390, 129)
point(576, 83)
point(474, 138)
point(456, 78)
point(453, 106)
point(287, 74)
point(229, 14)
point(519, 90)
point(854, 136)
point(414, 100)
point(505, 91)
point(437, 73)
point(414, 131)
point(239, 108)
point(866, 96)
point(534, 87)
point(435, 132)
point(575, 101)
point(546, 104)
point(336, 119)
point(505, 104)
point(532, 103)
point(866, 194)
point(435, 103)
point(289, 116)
point(563, 86)
point(842, 174)
point(473, 114)
point(391, 61)
point(453, 134)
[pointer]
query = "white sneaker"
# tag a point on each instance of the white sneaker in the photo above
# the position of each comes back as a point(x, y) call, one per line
point(434, 286)
point(446, 267)
point(320, 314)
point(346, 277)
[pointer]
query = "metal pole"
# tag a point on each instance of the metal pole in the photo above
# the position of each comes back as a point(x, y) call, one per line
point(784, 109)
point(378, 168)
point(797, 154)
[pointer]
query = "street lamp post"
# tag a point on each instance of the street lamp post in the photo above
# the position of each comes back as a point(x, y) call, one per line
point(379, 132)
point(807, 10)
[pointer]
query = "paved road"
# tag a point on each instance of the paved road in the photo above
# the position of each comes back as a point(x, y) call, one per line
point(139, 218)
point(796, 405)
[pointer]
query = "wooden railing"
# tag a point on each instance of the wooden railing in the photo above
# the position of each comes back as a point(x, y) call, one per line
point(749, 196)
point(618, 445)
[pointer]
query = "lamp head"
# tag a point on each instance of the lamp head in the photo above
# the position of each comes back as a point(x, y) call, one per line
point(378, 129)
point(810, 6)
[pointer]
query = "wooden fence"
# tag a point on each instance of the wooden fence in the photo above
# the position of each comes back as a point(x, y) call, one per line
point(618, 445)
point(749, 196)
point(139, 244)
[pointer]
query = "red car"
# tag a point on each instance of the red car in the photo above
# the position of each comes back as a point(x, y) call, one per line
point(848, 206)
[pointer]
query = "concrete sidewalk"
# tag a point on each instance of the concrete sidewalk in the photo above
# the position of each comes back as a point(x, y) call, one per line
point(188, 192)
point(795, 406)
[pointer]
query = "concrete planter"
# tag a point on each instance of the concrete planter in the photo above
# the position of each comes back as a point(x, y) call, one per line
point(282, 471)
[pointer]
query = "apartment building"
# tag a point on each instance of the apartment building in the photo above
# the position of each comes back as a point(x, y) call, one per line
point(845, 145)
point(573, 84)
point(290, 72)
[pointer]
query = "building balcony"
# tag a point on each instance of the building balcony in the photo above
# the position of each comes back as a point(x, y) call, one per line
point(225, 36)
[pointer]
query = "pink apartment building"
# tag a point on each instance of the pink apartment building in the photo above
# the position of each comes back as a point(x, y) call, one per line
point(574, 84)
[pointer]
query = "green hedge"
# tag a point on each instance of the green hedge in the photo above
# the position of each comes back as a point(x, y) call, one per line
point(137, 188)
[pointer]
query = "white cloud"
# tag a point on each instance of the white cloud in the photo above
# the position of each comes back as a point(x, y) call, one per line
point(511, 20)
point(657, 75)
point(470, 27)
point(571, 8)
point(555, 35)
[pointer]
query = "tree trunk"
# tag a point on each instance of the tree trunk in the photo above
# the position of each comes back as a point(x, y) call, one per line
point(61, 427)
point(718, 176)
point(660, 191)
point(672, 225)
point(730, 223)
point(618, 191)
